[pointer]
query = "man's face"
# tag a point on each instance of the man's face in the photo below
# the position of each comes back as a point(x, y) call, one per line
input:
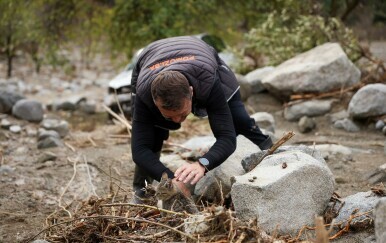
point(176, 116)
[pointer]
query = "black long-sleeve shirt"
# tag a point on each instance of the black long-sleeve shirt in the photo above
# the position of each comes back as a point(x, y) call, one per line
point(145, 118)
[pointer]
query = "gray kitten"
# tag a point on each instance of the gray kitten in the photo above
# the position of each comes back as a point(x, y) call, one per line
point(172, 197)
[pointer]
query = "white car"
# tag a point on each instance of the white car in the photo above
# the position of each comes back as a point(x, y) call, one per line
point(120, 89)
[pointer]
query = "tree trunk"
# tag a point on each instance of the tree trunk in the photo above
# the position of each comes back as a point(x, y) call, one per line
point(9, 54)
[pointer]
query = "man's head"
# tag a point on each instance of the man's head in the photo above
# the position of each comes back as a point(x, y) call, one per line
point(172, 95)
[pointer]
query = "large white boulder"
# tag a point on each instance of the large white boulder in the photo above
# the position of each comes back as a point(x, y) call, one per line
point(321, 69)
point(284, 192)
point(220, 178)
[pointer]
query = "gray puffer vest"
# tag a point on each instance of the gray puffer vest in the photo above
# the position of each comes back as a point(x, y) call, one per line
point(192, 57)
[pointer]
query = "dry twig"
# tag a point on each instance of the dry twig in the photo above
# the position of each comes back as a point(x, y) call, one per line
point(270, 151)
point(119, 118)
point(143, 206)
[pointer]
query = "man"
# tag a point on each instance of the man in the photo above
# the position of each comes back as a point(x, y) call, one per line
point(174, 77)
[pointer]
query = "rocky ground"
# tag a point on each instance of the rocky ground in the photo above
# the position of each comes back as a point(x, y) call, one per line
point(96, 159)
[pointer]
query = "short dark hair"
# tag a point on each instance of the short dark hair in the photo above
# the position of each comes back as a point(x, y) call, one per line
point(171, 87)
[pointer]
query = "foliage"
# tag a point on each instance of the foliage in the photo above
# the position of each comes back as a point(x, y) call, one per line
point(13, 28)
point(41, 28)
point(283, 35)
point(277, 28)
point(136, 23)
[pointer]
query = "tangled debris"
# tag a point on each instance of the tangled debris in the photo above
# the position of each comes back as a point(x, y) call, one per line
point(102, 220)
point(113, 219)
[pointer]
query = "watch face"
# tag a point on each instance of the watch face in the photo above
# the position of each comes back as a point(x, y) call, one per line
point(204, 161)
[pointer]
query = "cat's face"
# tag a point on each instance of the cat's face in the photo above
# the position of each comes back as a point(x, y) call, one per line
point(165, 188)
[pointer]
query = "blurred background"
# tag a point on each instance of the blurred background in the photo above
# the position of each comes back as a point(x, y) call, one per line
point(43, 33)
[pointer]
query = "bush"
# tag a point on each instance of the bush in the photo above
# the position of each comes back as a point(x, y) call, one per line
point(283, 36)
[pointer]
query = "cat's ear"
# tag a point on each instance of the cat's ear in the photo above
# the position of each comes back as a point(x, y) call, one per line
point(165, 176)
point(169, 184)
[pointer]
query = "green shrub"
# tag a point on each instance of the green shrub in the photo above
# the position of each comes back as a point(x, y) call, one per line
point(283, 36)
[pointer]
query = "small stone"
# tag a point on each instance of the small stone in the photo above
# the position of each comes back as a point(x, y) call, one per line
point(31, 132)
point(379, 125)
point(15, 128)
point(6, 169)
point(340, 180)
point(47, 133)
point(5, 124)
point(46, 157)
point(306, 124)
point(60, 126)
point(49, 142)
point(384, 130)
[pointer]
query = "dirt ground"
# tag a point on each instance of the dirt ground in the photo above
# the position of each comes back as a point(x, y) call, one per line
point(30, 190)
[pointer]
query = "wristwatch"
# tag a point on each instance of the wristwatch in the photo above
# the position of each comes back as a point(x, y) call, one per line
point(204, 162)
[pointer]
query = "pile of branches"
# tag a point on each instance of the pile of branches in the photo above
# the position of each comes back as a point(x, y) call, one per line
point(112, 220)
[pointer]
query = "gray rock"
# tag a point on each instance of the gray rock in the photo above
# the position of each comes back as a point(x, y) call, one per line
point(40, 241)
point(8, 100)
point(49, 142)
point(245, 87)
point(379, 125)
point(322, 69)
point(306, 124)
point(200, 143)
point(308, 108)
point(255, 77)
point(5, 123)
point(368, 101)
point(347, 125)
point(220, 178)
point(15, 128)
point(378, 175)
point(264, 120)
point(328, 150)
point(384, 130)
point(340, 115)
point(60, 126)
point(282, 192)
point(28, 110)
point(66, 106)
point(249, 162)
point(356, 204)
point(380, 221)
point(173, 161)
point(43, 133)
point(46, 156)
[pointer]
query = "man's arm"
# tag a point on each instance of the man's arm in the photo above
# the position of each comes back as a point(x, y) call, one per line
point(143, 140)
point(221, 122)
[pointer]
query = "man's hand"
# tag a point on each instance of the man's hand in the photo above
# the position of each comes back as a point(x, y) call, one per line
point(190, 172)
point(182, 187)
